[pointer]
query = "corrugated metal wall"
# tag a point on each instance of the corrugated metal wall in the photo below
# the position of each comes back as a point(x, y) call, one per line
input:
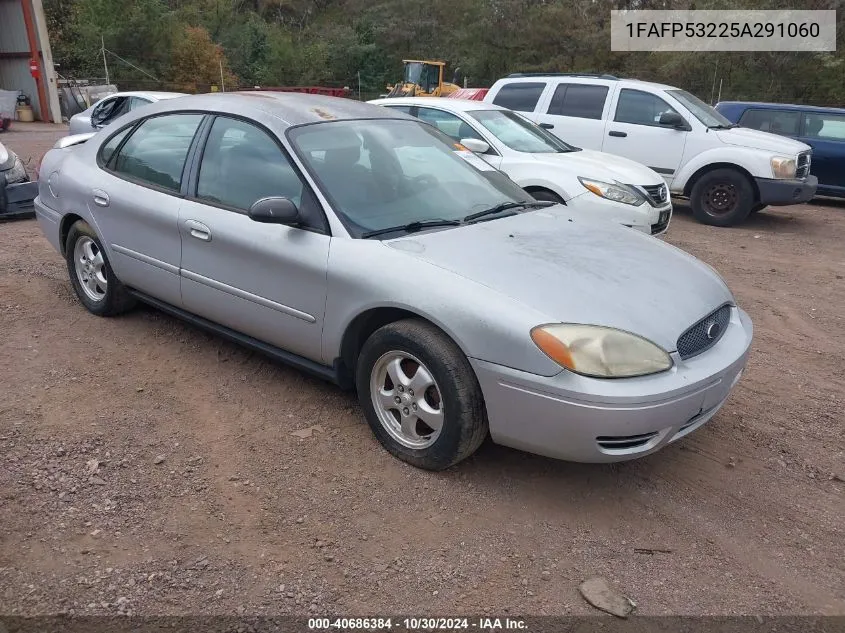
point(14, 72)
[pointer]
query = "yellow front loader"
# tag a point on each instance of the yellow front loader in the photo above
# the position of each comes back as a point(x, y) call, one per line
point(422, 79)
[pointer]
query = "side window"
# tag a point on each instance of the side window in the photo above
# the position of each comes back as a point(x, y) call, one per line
point(137, 102)
point(579, 100)
point(520, 96)
point(241, 164)
point(775, 121)
point(640, 108)
point(155, 153)
point(402, 108)
point(107, 150)
point(825, 126)
point(448, 123)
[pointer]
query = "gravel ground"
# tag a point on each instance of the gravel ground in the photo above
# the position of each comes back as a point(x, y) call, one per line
point(150, 468)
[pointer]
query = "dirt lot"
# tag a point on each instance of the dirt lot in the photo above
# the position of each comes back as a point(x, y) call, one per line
point(148, 467)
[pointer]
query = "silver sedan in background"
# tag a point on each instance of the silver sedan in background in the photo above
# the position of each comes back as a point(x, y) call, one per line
point(110, 108)
point(355, 243)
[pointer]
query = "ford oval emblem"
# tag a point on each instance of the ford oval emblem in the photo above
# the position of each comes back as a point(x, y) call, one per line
point(713, 331)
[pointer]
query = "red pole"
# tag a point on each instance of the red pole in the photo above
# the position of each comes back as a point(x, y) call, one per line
point(43, 104)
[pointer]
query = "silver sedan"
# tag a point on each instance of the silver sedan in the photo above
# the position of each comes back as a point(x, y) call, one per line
point(363, 246)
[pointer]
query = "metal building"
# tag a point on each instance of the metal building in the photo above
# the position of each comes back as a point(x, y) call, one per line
point(26, 62)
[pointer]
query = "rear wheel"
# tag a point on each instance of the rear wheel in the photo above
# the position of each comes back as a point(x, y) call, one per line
point(91, 275)
point(722, 197)
point(420, 395)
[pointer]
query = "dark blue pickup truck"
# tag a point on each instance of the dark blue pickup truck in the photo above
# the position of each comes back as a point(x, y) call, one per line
point(823, 129)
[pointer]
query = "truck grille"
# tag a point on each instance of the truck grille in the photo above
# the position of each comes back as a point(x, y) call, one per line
point(803, 167)
point(657, 194)
point(704, 334)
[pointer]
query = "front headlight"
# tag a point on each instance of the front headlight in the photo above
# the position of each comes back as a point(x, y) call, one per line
point(613, 191)
point(17, 173)
point(600, 352)
point(783, 167)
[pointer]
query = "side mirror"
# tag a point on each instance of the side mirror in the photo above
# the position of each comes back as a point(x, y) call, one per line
point(274, 211)
point(673, 119)
point(476, 145)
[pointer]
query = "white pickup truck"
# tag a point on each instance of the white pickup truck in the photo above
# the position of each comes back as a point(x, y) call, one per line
point(727, 172)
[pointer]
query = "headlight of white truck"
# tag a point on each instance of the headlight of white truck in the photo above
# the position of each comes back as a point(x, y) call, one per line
point(783, 167)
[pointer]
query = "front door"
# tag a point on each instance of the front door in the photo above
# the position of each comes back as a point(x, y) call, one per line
point(825, 133)
point(634, 132)
point(264, 280)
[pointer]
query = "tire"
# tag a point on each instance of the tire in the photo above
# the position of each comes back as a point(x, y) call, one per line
point(452, 395)
point(722, 197)
point(758, 207)
point(546, 195)
point(93, 280)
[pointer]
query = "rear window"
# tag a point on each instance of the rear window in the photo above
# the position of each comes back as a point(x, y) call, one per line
point(520, 96)
point(775, 121)
point(579, 100)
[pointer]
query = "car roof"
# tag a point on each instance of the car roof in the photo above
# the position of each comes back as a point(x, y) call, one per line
point(782, 106)
point(583, 79)
point(445, 103)
point(158, 96)
point(291, 108)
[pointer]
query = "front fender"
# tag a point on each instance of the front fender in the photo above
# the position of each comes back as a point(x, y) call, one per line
point(365, 275)
point(756, 162)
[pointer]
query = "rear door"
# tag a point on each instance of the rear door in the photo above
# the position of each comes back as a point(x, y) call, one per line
point(135, 201)
point(265, 280)
point(825, 133)
point(633, 131)
point(574, 113)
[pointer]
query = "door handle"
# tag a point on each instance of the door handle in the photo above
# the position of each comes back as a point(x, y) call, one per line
point(547, 126)
point(619, 134)
point(198, 230)
point(101, 198)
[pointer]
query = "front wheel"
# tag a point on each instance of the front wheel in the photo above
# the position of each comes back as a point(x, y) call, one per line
point(722, 197)
point(420, 395)
point(91, 275)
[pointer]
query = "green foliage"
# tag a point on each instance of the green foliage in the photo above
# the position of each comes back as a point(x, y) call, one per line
point(334, 42)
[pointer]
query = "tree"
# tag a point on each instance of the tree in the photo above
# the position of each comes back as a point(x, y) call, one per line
point(195, 59)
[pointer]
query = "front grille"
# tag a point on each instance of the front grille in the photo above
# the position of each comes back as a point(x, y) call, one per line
point(803, 167)
point(657, 194)
point(624, 442)
point(704, 334)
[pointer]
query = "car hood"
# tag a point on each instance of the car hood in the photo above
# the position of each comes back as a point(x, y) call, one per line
point(5, 157)
point(756, 139)
point(576, 269)
point(601, 166)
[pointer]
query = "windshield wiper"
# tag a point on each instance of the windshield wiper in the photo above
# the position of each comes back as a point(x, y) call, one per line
point(505, 206)
point(411, 227)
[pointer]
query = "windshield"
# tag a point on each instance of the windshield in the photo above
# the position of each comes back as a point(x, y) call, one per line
point(518, 133)
point(708, 115)
point(384, 173)
point(413, 72)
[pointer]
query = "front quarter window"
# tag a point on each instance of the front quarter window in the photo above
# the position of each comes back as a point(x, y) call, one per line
point(384, 173)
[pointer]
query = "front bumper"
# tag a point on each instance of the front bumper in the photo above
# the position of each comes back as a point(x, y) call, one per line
point(16, 200)
point(644, 218)
point(783, 192)
point(581, 419)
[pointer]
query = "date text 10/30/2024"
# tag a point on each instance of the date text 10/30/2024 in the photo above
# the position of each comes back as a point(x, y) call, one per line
point(417, 624)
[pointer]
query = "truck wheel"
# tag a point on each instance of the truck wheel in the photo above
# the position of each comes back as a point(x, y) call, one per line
point(420, 395)
point(722, 197)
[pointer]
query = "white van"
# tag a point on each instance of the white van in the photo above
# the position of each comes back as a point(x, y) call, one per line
point(726, 171)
